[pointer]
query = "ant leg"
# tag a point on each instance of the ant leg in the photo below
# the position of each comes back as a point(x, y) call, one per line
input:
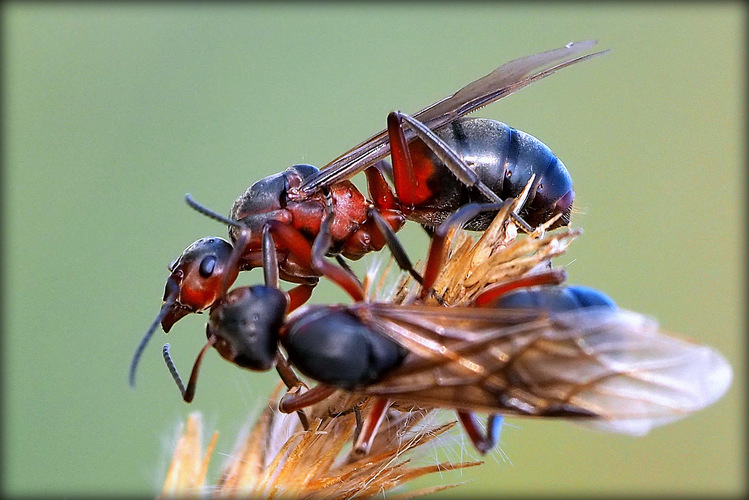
point(233, 263)
point(438, 243)
point(371, 424)
point(385, 168)
point(299, 295)
point(410, 189)
point(270, 259)
point(355, 408)
point(342, 275)
point(379, 190)
point(359, 422)
point(286, 373)
point(549, 277)
point(342, 262)
point(291, 239)
point(394, 244)
point(291, 381)
point(483, 443)
point(391, 213)
point(344, 278)
point(293, 401)
point(402, 162)
point(398, 252)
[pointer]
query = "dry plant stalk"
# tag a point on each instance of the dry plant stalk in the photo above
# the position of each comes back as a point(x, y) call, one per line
point(278, 459)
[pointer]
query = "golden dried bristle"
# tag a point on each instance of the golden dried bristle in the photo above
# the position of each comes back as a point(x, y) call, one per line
point(497, 256)
point(278, 459)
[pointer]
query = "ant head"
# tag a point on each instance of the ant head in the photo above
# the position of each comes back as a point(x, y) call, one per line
point(199, 277)
point(246, 325)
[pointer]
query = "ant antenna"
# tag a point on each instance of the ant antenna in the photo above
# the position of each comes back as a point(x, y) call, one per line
point(188, 393)
point(172, 368)
point(210, 213)
point(144, 341)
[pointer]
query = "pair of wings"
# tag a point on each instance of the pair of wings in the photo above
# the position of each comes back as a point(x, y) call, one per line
point(501, 82)
point(608, 368)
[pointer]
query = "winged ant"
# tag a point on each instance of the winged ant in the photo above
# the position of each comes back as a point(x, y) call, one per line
point(441, 161)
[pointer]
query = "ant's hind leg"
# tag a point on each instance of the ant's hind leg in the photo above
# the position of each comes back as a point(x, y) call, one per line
point(439, 241)
point(548, 277)
point(482, 442)
point(371, 424)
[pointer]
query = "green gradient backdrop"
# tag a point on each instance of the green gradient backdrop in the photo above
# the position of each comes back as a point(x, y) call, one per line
point(113, 113)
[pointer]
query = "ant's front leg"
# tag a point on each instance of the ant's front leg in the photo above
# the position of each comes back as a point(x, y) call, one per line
point(293, 384)
point(313, 256)
point(297, 400)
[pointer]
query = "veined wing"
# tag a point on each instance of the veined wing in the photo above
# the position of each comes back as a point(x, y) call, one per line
point(610, 369)
point(501, 82)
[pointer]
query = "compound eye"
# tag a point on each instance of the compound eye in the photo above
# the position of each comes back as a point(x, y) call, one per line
point(207, 265)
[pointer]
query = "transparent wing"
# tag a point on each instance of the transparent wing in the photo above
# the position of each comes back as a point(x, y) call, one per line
point(610, 369)
point(501, 82)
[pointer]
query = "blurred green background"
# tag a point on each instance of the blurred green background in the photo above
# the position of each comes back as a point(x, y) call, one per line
point(112, 113)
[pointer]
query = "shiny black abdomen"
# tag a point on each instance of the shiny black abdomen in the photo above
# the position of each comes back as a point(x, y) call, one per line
point(505, 159)
point(333, 346)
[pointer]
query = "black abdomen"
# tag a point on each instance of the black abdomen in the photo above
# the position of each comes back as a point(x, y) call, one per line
point(333, 346)
point(504, 159)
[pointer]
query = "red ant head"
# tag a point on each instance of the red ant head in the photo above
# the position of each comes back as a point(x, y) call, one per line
point(200, 276)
